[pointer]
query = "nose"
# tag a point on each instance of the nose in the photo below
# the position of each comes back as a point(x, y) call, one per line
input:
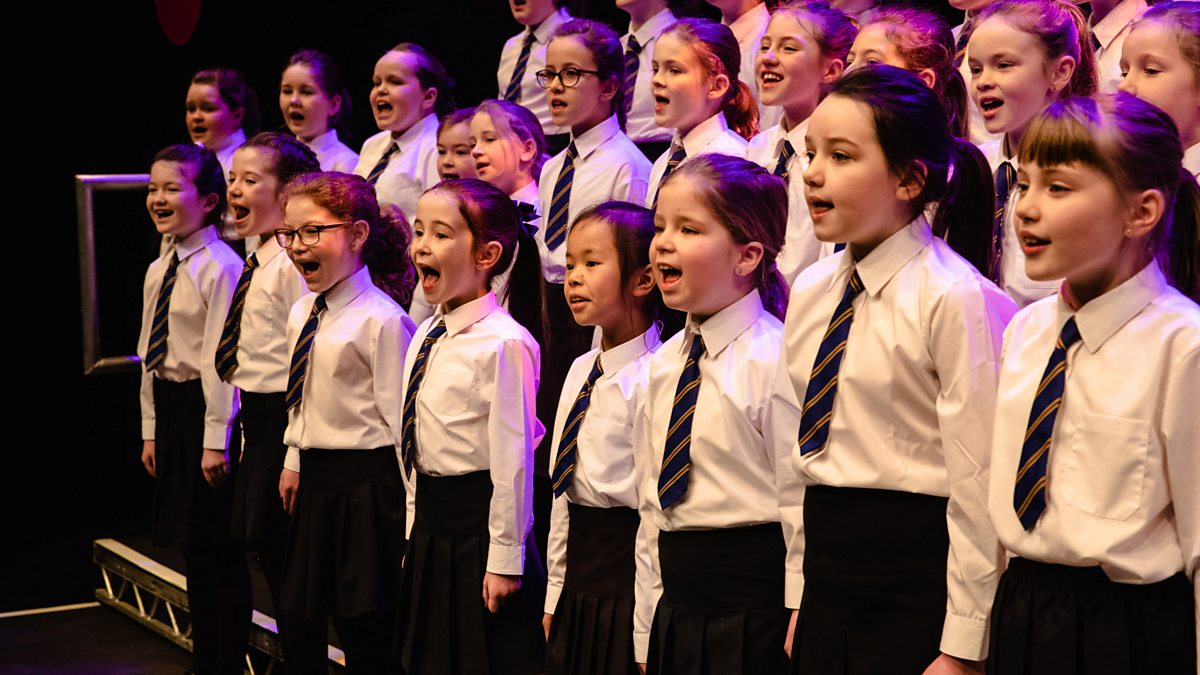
point(984, 80)
point(475, 151)
point(294, 99)
point(1027, 206)
point(1128, 84)
point(813, 176)
point(657, 82)
point(768, 57)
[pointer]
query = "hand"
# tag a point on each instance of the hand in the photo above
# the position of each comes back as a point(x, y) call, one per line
point(945, 664)
point(787, 640)
point(546, 619)
point(497, 588)
point(289, 483)
point(148, 457)
point(215, 466)
point(641, 668)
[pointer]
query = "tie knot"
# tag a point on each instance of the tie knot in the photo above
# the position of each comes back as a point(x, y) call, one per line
point(1069, 335)
point(697, 349)
point(634, 46)
point(252, 261)
point(437, 331)
point(1005, 176)
point(787, 151)
point(320, 305)
point(174, 259)
point(597, 371)
point(572, 151)
point(530, 38)
point(854, 286)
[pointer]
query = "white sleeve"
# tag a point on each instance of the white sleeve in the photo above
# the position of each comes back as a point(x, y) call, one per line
point(647, 576)
point(220, 397)
point(781, 426)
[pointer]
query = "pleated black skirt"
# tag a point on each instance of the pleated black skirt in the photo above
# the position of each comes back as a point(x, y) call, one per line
point(592, 630)
point(722, 609)
point(187, 512)
point(442, 625)
point(1075, 621)
point(257, 509)
point(874, 582)
point(346, 542)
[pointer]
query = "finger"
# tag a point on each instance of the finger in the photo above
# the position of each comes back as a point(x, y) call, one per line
point(493, 606)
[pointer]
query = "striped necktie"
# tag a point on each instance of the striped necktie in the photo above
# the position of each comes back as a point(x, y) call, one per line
point(960, 45)
point(678, 154)
point(512, 93)
point(299, 369)
point(1029, 497)
point(408, 439)
point(227, 349)
point(560, 204)
point(785, 157)
point(381, 165)
point(156, 351)
point(822, 382)
point(677, 455)
point(1005, 177)
point(1096, 46)
point(564, 463)
point(632, 50)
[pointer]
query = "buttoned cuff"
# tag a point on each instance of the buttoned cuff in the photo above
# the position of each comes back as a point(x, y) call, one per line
point(216, 438)
point(641, 646)
point(552, 592)
point(793, 590)
point(292, 460)
point(965, 638)
point(507, 560)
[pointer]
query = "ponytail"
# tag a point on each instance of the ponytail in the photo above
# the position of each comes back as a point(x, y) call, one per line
point(1084, 81)
point(954, 100)
point(719, 54)
point(525, 293)
point(386, 255)
point(773, 290)
point(1182, 255)
point(1061, 30)
point(741, 110)
point(964, 215)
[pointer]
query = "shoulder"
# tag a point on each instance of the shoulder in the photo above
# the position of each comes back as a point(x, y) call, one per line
point(1178, 319)
point(376, 143)
point(814, 279)
point(950, 281)
point(760, 148)
point(1031, 320)
point(728, 143)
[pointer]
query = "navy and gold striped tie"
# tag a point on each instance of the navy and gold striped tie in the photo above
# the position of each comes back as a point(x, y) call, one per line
point(564, 462)
point(785, 157)
point(299, 369)
point(960, 45)
point(678, 154)
point(1005, 178)
point(231, 334)
point(156, 350)
point(560, 203)
point(632, 50)
point(822, 382)
point(408, 438)
point(1029, 497)
point(677, 455)
point(381, 165)
point(512, 93)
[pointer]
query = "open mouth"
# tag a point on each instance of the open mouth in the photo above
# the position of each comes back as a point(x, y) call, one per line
point(1031, 244)
point(308, 268)
point(382, 107)
point(480, 166)
point(576, 300)
point(199, 130)
point(557, 104)
point(296, 116)
point(163, 214)
point(449, 175)
point(239, 212)
point(429, 277)
point(819, 207)
point(990, 103)
point(770, 78)
point(669, 275)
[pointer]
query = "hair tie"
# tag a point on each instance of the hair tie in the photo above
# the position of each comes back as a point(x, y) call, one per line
point(526, 214)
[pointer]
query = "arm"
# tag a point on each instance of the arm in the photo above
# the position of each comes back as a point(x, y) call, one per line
point(781, 425)
point(216, 284)
point(389, 347)
point(630, 184)
point(647, 588)
point(965, 333)
point(1181, 434)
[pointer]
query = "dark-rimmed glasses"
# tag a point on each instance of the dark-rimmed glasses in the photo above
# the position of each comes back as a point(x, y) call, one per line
point(309, 234)
point(568, 76)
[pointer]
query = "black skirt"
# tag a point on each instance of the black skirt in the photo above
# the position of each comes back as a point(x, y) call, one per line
point(187, 512)
point(443, 625)
point(346, 542)
point(257, 509)
point(722, 608)
point(1074, 620)
point(874, 582)
point(592, 630)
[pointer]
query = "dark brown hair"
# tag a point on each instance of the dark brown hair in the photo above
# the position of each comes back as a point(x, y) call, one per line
point(329, 78)
point(235, 93)
point(290, 157)
point(719, 54)
point(205, 172)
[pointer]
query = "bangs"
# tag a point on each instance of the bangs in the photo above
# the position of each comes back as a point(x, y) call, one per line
point(1068, 132)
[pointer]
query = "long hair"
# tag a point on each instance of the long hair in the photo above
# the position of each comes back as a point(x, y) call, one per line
point(1060, 28)
point(235, 93)
point(518, 124)
point(431, 73)
point(329, 78)
point(719, 54)
point(605, 47)
point(290, 157)
point(205, 171)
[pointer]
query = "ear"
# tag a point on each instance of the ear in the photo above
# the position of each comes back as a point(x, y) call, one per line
point(642, 282)
point(335, 105)
point(609, 89)
point(359, 231)
point(239, 114)
point(488, 255)
point(210, 201)
point(1061, 71)
point(1147, 208)
point(928, 77)
point(528, 152)
point(749, 258)
point(429, 99)
point(833, 70)
point(718, 87)
point(913, 182)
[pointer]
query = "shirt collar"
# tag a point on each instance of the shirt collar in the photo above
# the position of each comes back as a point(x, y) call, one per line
point(726, 325)
point(1121, 16)
point(527, 194)
point(593, 138)
point(1191, 159)
point(426, 125)
point(467, 314)
point(195, 241)
point(653, 26)
point(235, 141)
point(324, 141)
point(1100, 318)
point(623, 354)
point(881, 264)
point(545, 29)
point(267, 250)
point(345, 291)
point(704, 133)
point(745, 26)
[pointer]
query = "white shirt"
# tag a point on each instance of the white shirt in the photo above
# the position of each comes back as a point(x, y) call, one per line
point(801, 247)
point(749, 29)
point(333, 154)
point(353, 396)
point(205, 280)
point(1111, 32)
point(916, 393)
point(1191, 159)
point(1014, 281)
point(225, 154)
point(264, 354)
point(607, 471)
point(411, 170)
point(1123, 466)
point(639, 124)
point(711, 135)
point(743, 431)
point(608, 166)
point(978, 132)
point(532, 96)
point(476, 411)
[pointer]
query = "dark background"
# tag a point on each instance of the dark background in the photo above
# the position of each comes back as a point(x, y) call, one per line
point(100, 92)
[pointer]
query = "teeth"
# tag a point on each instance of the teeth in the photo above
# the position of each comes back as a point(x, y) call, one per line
point(771, 77)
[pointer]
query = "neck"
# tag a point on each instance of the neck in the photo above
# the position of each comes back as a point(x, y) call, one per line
point(639, 15)
point(587, 125)
point(796, 114)
point(1079, 292)
point(742, 286)
point(1101, 9)
point(732, 10)
point(684, 131)
point(522, 180)
point(630, 327)
point(862, 249)
point(454, 303)
point(309, 138)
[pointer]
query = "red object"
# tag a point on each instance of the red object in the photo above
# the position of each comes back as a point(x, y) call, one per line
point(178, 19)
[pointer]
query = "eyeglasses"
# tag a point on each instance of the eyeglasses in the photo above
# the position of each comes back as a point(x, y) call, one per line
point(568, 76)
point(309, 234)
